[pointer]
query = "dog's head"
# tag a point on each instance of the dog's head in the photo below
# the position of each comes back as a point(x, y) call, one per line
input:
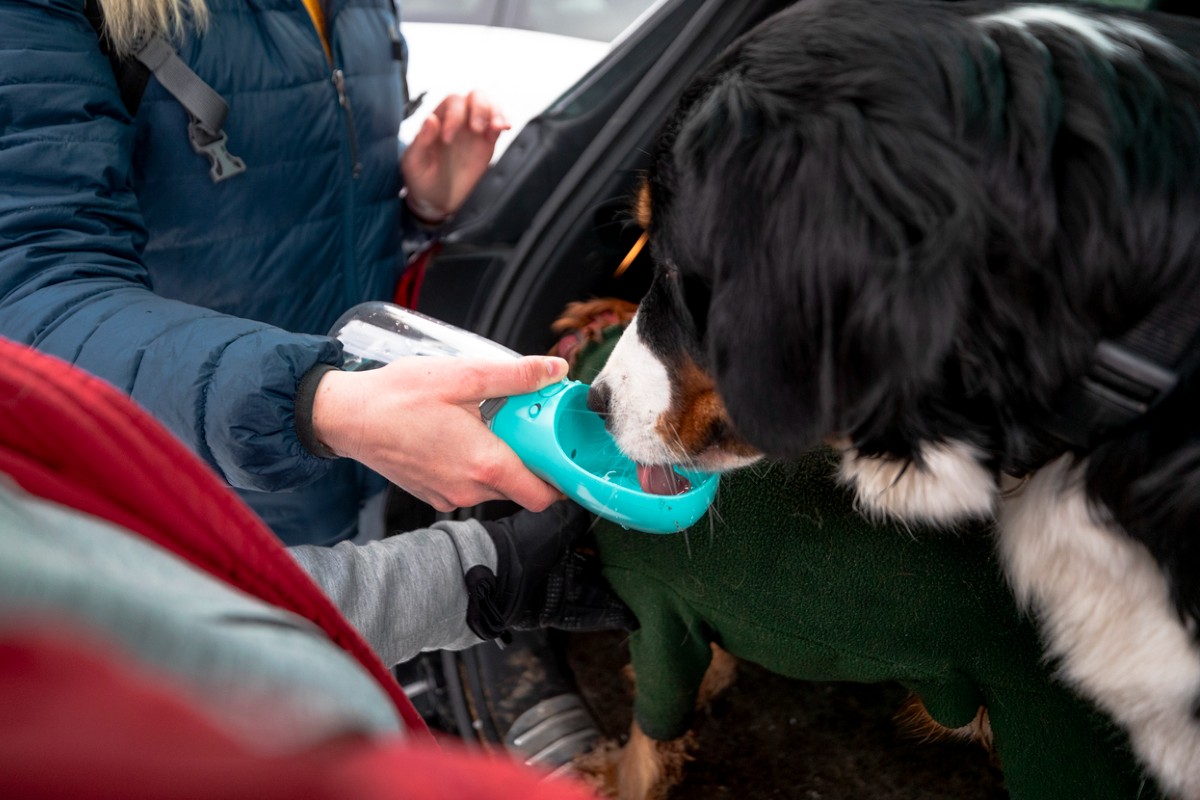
point(808, 214)
point(854, 222)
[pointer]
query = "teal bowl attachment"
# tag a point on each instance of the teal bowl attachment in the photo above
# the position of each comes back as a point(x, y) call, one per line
point(565, 443)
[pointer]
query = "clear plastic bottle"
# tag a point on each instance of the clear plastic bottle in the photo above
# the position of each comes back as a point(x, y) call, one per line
point(376, 333)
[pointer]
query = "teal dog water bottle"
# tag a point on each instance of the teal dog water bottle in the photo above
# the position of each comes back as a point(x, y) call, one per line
point(552, 430)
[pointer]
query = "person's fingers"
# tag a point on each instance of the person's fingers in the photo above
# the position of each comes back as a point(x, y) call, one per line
point(453, 115)
point(430, 129)
point(514, 481)
point(441, 501)
point(444, 503)
point(420, 151)
point(480, 110)
point(481, 379)
point(486, 118)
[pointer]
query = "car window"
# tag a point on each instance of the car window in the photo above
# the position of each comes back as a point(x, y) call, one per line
point(462, 12)
point(521, 54)
point(601, 20)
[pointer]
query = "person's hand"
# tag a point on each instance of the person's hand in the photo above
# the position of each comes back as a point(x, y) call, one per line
point(416, 421)
point(544, 578)
point(449, 155)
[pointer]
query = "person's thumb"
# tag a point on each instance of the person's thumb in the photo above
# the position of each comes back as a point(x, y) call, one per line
point(527, 374)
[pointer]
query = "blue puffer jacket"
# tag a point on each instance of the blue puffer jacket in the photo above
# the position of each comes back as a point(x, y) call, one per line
point(119, 254)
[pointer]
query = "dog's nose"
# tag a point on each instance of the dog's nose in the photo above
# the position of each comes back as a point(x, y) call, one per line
point(598, 399)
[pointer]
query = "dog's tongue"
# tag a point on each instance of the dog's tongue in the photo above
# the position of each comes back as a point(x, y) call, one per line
point(661, 479)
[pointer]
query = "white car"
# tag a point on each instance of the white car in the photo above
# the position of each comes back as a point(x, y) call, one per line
point(522, 54)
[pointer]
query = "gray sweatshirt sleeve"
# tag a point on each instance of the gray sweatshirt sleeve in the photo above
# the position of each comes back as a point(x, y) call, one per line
point(404, 593)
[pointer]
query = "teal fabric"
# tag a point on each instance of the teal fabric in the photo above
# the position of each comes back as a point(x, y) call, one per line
point(785, 573)
point(206, 302)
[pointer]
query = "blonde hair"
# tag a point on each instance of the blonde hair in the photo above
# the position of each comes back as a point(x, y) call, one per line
point(130, 23)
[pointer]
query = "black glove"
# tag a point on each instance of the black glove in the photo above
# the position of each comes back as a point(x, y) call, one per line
point(546, 577)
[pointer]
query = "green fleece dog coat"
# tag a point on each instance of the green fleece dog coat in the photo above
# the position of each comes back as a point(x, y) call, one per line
point(788, 575)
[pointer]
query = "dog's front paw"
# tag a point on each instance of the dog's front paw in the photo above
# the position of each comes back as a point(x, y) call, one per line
point(597, 768)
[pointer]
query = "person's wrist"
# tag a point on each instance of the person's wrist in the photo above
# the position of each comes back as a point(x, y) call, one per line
point(336, 415)
point(425, 212)
point(306, 398)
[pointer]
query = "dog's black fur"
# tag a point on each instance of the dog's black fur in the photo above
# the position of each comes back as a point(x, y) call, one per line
point(894, 223)
point(921, 234)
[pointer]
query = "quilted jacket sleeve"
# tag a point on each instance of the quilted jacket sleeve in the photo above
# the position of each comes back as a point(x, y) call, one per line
point(72, 282)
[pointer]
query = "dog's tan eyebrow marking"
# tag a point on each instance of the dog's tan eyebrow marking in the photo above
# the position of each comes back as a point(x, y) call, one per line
point(641, 206)
point(641, 214)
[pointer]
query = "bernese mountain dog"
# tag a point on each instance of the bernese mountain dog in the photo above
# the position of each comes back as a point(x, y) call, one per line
point(961, 242)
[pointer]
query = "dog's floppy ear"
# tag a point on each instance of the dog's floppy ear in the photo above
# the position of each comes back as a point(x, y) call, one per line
point(836, 234)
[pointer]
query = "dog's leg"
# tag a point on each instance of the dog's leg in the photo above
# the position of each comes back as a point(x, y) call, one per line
point(1106, 614)
point(914, 719)
point(644, 769)
point(647, 768)
point(719, 676)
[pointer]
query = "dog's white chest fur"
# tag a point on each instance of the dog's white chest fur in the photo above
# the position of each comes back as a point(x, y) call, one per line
point(1103, 604)
point(1106, 613)
point(950, 484)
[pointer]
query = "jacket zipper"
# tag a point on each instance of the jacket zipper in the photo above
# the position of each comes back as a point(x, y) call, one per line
point(351, 283)
point(339, 83)
point(352, 290)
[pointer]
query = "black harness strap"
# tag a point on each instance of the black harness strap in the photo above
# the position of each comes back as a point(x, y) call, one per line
point(1133, 373)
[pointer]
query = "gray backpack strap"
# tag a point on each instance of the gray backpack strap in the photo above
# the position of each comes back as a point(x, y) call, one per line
point(205, 107)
